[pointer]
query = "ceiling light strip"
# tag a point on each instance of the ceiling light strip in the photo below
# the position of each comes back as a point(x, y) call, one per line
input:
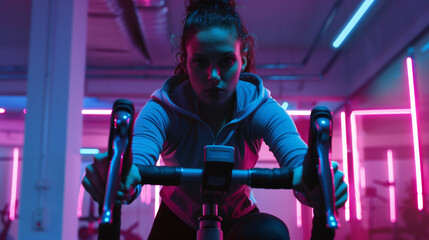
point(352, 23)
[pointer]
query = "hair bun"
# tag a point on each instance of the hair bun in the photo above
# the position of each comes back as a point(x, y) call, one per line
point(194, 5)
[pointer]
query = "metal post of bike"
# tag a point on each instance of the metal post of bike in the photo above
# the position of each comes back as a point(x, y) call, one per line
point(209, 223)
point(218, 163)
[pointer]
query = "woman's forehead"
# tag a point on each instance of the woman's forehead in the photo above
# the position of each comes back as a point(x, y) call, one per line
point(214, 39)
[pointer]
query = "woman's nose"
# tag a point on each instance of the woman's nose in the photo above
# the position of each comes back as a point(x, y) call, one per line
point(214, 77)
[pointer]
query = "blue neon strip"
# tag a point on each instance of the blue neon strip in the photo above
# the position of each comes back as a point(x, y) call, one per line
point(89, 151)
point(352, 23)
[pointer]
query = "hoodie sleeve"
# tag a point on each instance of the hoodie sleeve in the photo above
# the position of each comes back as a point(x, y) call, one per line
point(150, 132)
point(276, 127)
point(272, 123)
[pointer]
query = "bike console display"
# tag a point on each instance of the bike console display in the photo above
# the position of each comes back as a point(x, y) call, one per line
point(218, 163)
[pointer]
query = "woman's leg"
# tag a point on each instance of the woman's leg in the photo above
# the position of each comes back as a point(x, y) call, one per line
point(168, 226)
point(257, 226)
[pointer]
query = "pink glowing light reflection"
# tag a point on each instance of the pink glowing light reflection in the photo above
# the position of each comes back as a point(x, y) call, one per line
point(392, 199)
point(417, 160)
point(12, 208)
point(2, 110)
point(356, 159)
point(345, 162)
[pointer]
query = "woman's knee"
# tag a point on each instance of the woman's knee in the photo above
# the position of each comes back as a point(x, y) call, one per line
point(259, 226)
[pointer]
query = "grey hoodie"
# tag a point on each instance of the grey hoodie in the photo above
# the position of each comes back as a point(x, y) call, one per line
point(169, 125)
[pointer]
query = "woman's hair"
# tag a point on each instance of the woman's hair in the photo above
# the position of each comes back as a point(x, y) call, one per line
point(204, 14)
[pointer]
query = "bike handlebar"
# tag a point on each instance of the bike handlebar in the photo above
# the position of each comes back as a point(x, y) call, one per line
point(275, 178)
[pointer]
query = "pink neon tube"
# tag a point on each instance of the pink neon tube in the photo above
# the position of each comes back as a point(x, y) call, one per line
point(299, 112)
point(80, 201)
point(356, 168)
point(417, 160)
point(96, 111)
point(298, 214)
point(345, 162)
point(157, 189)
point(392, 199)
point(12, 209)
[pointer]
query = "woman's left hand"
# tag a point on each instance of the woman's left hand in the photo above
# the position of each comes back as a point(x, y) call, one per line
point(340, 186)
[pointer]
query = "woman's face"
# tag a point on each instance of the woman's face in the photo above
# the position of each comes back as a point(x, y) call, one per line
point(213, 63)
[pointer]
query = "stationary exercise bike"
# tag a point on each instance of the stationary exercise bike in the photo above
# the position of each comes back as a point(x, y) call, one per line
point(216, 177)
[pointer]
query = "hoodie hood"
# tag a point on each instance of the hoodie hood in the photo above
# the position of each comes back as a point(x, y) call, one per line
point(179, 96)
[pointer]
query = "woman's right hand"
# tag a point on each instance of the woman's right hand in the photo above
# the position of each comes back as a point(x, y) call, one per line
point(95, 180)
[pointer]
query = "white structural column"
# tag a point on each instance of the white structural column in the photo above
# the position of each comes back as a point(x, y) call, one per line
point(53, 127)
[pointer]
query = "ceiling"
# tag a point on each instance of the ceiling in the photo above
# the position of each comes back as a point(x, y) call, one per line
point(131, 47)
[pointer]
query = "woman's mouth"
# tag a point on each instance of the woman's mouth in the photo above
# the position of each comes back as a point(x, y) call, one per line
point(214, 92)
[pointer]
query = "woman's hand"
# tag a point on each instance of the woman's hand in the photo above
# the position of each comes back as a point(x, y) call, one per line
point(96, 176)
point(340, 185)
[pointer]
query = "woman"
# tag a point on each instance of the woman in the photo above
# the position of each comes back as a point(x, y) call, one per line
point(213, 99)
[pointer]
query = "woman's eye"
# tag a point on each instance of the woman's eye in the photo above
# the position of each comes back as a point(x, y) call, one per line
point(227, 62)
point(200, 62)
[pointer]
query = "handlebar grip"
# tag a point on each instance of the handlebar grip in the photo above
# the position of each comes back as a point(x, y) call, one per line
point(277, 178)
point(167, 176)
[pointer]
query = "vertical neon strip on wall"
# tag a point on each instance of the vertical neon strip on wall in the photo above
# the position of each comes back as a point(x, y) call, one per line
point(12, 208)
point(157, 189)
point(356, 166)
point(417, 160)
point(345, 163)
point(80, 201)
point(392, 199)
point(298, 214)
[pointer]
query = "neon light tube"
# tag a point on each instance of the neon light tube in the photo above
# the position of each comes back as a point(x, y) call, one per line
point(382, 112)
point(392, 199)
point(157, 189)
point(345, 162)
point(355, 161)
point(298, 214)
point(12, 208)
point(96, 111)
point(148, 194)
point(80, 201)
point(89, 151)
point(417, 160)
point(299, 112)
point(352, 23)
point(2, 110)
point(143, 194)
point(362, 178)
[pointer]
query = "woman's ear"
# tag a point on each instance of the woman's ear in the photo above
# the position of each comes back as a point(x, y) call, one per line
point(184, 64)
point(244, 61)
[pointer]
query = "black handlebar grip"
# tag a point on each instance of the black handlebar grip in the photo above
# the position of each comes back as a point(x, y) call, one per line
point(277, 178)
point(167, 176)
